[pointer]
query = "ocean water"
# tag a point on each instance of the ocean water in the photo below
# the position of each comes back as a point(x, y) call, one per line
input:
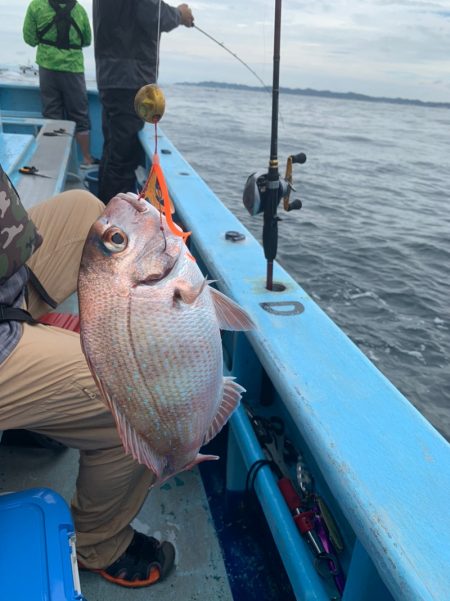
point(371, 244)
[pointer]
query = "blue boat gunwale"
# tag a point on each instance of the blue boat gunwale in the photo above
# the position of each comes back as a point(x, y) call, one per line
point(384, 462)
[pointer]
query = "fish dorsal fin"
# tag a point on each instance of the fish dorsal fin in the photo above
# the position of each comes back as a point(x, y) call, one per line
point(230, 315)
point(133, 444)
point(232, 393)
point(136, 446)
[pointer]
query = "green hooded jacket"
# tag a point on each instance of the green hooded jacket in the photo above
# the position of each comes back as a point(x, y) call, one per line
point(39, 14)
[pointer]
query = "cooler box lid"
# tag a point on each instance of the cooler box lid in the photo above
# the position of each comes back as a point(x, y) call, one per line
point(37, 549)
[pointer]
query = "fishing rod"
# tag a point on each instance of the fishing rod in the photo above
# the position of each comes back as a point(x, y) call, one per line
point(270, 228)
point(222, 45)
point(264, 190)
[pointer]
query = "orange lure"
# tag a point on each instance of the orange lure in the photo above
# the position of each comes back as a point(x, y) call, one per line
point(149, 104)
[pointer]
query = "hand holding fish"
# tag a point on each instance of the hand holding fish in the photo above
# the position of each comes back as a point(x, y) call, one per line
point(150, 330)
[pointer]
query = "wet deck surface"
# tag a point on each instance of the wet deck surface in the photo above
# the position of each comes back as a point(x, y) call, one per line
point(178, 512)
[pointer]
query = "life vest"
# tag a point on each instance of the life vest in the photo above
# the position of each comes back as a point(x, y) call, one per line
point(63, 21)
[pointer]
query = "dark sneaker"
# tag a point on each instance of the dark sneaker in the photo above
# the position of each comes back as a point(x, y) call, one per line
point(144, 562)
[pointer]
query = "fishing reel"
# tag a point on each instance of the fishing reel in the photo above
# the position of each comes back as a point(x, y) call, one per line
point(256, 188)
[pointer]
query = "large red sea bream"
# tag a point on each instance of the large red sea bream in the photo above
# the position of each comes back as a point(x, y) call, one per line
point(150, 330)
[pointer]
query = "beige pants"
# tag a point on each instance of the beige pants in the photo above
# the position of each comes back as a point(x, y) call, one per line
point(46, 386)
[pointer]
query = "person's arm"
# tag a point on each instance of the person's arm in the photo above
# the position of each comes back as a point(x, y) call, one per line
point(85, 28)
point(182, 15)
point(30, 27)
point(171, 16)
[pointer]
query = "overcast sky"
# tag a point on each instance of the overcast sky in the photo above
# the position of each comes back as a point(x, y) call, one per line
point(377, 47)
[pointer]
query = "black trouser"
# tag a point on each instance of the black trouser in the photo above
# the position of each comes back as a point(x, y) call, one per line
point(64, 96)
point(122, 151)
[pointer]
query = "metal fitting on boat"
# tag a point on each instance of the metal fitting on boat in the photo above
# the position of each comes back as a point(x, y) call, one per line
point(234, 236)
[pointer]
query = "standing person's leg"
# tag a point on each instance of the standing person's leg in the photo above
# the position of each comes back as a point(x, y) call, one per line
point(51, 95)
point(46, 386)
point(124, 149)
point(104, 159)
point(84, 142)
point(76, 106)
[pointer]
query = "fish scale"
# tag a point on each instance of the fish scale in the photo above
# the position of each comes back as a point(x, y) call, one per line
point(150, 331)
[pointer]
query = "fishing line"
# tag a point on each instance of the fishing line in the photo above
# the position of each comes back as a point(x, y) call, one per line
point(158, 33)
point(222, 45)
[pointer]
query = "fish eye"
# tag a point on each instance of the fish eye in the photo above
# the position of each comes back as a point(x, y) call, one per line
point(115, 239)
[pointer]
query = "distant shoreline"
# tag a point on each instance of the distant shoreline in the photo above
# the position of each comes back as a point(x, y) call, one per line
point(319, 93)
point(27, 74)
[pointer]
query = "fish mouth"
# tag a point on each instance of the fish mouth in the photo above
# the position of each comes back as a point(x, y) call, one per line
point(154, 278)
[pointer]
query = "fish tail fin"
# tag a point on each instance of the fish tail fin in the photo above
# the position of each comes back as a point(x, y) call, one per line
point(232, 393)
point(200, 459)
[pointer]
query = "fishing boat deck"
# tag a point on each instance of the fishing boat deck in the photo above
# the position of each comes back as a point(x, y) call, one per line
point(178, 512)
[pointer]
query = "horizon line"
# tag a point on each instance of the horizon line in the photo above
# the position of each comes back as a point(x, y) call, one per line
point(325, 94)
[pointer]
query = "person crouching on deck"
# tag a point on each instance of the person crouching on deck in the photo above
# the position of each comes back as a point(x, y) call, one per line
point(46, 386)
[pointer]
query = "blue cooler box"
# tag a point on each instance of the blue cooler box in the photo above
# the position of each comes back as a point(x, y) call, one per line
point(37, 548)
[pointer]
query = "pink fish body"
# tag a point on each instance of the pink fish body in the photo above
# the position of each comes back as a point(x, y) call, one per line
point(150, 331)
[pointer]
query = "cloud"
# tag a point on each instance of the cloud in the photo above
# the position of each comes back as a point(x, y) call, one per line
point(387, 47)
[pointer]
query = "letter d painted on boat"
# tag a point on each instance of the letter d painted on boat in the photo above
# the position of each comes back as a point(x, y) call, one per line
point(283, 308)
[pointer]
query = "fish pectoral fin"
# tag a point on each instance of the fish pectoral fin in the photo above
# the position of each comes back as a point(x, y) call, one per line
point(185, 292)
point(230, 315)
point(232, 392)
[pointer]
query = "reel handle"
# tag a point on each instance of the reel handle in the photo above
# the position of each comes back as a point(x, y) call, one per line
point(299, 158)
point(295, 205)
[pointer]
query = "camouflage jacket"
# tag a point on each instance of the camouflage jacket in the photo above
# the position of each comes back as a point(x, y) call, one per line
point(19, 238)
